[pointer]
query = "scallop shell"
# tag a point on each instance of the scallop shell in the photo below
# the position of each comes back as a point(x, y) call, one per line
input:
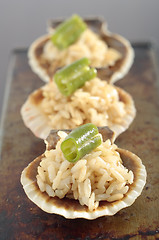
point(98, 25)
point(38, 122)
point(70, 208)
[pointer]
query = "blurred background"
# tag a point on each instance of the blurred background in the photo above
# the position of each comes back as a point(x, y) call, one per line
point(21, 22)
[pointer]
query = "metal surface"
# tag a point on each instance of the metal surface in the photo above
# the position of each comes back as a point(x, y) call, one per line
point(21, 219)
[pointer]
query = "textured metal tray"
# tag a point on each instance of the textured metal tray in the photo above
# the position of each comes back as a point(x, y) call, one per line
point(21, 219)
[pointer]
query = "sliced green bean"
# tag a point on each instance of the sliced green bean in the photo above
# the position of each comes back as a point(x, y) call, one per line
point(74, 76)
point(80, 142)
point(68, 32)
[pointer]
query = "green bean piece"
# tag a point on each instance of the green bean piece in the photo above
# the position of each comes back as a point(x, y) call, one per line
point(80, 142)
point(74, 76)
point(68, 32)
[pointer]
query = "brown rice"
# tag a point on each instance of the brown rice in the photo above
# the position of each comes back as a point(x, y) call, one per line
point(89, 45)
point(98, 176)
point(97, 102)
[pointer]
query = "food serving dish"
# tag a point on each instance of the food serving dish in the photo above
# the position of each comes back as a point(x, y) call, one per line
point(46, 69)
point(20, 218)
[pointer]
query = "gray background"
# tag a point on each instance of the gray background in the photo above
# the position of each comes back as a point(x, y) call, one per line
point(21, 22)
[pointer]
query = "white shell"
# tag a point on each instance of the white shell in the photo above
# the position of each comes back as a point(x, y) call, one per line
point(71, 208)
point(33, 61)
point(38, 123)
point(118, 74)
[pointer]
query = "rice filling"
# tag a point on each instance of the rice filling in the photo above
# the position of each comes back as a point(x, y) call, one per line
point(88, 45)
point(98, 176)
point(97, 102)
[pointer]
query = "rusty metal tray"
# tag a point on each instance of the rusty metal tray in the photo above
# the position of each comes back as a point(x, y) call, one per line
point(21, 219)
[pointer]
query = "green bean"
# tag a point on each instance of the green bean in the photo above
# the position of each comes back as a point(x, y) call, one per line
point(74, 76)
point(68, 32)
point(80, 142)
